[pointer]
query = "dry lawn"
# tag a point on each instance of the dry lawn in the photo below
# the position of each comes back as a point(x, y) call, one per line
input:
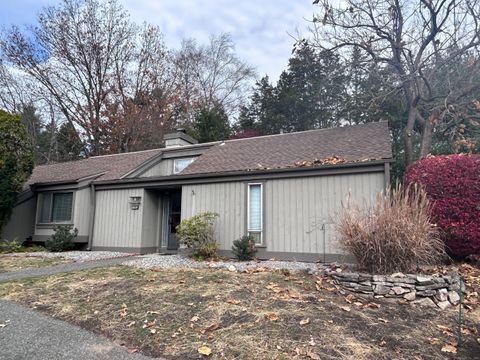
point(262, 315)
point(18, 263)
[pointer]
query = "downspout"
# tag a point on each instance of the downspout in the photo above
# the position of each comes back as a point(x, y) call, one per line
point(92, 216)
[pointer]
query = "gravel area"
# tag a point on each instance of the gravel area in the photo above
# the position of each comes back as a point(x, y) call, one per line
point(180, 261)
point(77, 256)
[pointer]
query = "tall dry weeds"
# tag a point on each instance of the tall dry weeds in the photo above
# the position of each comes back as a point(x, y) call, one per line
point(395, 234)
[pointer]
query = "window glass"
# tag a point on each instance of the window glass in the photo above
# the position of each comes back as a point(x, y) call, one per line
point(180, 164)
point(55, 207)
point(255, 211)
point(62, 207)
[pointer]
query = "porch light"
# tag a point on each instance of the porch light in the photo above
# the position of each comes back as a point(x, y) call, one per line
point(135, 202)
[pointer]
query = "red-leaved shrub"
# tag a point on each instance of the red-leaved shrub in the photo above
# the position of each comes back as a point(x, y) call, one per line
point(452, 183)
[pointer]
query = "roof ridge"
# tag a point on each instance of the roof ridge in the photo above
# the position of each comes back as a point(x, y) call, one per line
point(307, 131)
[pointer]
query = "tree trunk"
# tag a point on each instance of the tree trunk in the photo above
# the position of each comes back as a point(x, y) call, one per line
point(408, 135)
point(427, 134)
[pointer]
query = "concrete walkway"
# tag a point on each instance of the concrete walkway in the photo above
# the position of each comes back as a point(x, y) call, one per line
point(26, 334)
point(51, 270)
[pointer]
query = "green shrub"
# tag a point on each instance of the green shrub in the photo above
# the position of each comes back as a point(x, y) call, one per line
point(244, 248)
point(10, 247)
point(62, 240)
point(197, 233)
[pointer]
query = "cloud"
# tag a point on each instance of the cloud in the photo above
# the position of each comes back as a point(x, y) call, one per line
point(260, 29)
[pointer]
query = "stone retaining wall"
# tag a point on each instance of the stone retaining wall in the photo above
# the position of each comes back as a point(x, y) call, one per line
point(440, 291)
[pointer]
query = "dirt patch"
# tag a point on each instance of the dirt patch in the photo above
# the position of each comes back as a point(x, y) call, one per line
point(264, 315)
point(19, 263)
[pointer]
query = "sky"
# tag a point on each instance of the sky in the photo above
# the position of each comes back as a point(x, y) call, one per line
point(261, 29)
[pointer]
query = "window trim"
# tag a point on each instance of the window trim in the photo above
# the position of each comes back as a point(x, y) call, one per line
point(192, 158)
point(261, 231)
point(40, 206)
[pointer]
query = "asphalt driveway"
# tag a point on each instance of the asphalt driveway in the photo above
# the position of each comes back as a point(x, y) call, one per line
point(31, 335)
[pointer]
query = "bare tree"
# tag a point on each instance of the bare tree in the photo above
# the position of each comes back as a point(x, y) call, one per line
point(91, 58)
point(418, 40)
point(212, 74)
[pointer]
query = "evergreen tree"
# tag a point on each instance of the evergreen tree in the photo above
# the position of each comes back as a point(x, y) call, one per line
point(212, 124)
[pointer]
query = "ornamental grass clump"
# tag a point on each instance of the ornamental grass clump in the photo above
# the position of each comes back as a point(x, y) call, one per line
point(394, 234)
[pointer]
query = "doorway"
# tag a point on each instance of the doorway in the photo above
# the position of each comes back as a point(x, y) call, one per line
point(171, 217)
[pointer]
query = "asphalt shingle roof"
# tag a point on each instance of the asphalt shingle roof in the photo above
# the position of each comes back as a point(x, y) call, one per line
point(349, 144)
point(108, 167)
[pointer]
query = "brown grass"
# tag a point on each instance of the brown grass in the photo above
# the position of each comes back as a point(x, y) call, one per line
point(18, 263)
point(395, 234)
point(261, 315)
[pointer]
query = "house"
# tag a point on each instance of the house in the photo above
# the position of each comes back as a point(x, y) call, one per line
point(284, 190)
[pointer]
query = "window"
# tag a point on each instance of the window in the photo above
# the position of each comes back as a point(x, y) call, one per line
point(180, 164)
point(56, 207)
point(255, 212)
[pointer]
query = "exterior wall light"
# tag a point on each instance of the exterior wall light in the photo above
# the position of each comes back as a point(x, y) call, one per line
point(135, 202)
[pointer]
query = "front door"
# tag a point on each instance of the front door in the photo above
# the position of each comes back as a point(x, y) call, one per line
point(174, 216)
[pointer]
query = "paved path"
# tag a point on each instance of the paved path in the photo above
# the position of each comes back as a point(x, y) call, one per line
point(31, 335)
point(50, 270)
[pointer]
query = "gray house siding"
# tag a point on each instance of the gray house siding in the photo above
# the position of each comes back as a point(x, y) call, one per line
point(298, 213)
point(80, 217)
point(116, 225)
point(226, 199)
point(22, 222)
point(163, 168)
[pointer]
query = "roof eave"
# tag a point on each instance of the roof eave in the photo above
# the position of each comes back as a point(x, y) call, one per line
point(244, 172)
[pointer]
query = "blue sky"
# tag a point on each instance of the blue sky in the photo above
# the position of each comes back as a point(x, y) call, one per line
point(259, 28)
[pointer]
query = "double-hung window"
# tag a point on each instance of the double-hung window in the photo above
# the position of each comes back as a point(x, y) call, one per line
point(255, 212)
point(56, 207)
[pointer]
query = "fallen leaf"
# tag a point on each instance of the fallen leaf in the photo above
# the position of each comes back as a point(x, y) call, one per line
point(345, 308)
point(304, 321)
point(194, 318)
point(449, 349)
point(271, 316)
point(204, 350)
point(232, 301)
point(153, 331)
point(131, 323)
point(312, 355)
point(132, 350)
point(383, 343)
point(349, 298)
point(383, 320)
point(434, 341)
point(211, 327)
point(372, 306)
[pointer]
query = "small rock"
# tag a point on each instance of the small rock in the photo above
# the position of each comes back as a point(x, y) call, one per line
point(232, 268)
point(410, 296)
point(424, 302)
point(379, 278)
point(399, 291)
point(444, 304)
point(426, 293)
point(453, 297)
point(424, 280)
point(381, 290)
point(398, 275)
point(442, 295)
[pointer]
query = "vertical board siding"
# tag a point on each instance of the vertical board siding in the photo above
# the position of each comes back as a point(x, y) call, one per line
point(150, 225)
point(299, 213)
point(22, 221)
point(116, 225)
point(163, 168)
point(226, 199)
point(81, 211)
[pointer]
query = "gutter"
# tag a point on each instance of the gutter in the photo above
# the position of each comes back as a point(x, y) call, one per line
point(92, 216)
point(231, 174)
